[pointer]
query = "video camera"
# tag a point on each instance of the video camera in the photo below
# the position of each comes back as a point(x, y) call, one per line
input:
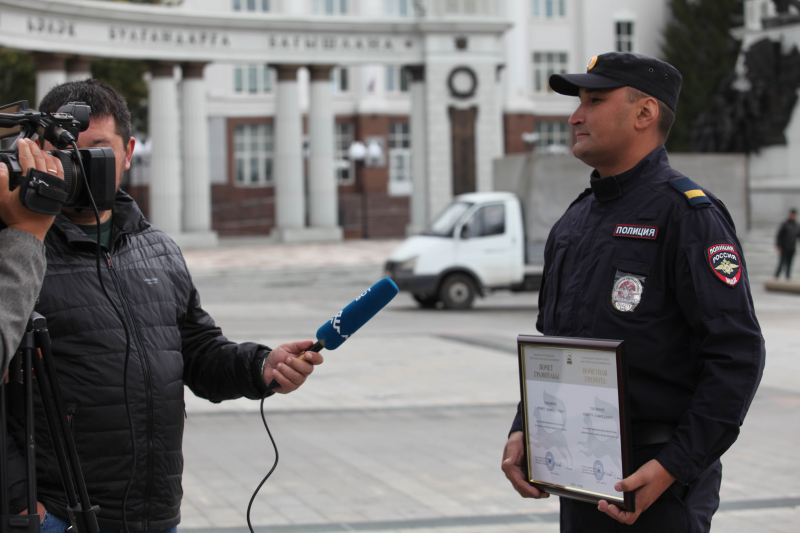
point(42, 192)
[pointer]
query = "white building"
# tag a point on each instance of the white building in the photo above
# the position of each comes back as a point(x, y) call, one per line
point(280, 89)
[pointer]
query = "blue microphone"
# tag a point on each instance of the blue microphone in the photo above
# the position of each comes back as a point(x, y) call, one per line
point(342, 325)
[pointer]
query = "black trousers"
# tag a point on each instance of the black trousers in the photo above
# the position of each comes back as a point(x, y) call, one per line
point(786, 261)
point(682, 508)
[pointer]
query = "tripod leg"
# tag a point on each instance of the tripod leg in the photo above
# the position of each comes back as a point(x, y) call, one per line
point(55, 431)
point(5, 497)
point(83, 516)
point(30, 430)
point(21, 523)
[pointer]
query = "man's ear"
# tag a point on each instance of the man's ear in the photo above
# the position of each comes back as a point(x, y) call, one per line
point(647, 116)
point(129, 152)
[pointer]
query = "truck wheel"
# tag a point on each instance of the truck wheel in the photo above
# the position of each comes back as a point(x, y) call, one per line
point(425, 301)
point(457, 292)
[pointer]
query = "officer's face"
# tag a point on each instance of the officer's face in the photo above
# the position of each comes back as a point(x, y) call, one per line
point(604, 126)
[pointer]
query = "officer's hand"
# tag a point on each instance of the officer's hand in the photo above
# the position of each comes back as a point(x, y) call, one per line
point(12, 213)
point(780, 251)
point(512, 461)
point(289, 364)
point(649, 482)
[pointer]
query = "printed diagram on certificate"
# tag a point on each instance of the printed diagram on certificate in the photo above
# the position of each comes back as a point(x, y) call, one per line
point(574, 419)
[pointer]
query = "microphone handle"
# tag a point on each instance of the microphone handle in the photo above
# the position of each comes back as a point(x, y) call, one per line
point(316, 347)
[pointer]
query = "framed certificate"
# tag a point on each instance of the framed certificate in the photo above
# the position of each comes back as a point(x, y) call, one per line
point(576, 417)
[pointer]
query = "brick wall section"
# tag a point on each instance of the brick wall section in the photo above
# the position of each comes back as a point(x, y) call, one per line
point(515, 125)
point(242, 210)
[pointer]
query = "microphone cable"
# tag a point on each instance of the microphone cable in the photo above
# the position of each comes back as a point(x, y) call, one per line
point(98, 253)
point(274, 465)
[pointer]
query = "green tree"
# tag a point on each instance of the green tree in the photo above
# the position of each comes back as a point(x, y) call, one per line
point(697, 41)
point(127, 77)
point(17, 77)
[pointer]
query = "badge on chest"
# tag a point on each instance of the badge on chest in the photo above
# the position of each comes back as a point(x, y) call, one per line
point(626, 293)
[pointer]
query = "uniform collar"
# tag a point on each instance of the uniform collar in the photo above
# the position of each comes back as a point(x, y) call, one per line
point(613, 187)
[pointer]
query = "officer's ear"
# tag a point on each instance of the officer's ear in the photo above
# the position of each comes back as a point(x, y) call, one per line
point(647, 114)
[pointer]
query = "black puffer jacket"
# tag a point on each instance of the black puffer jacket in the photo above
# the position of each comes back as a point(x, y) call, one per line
point(173, 341)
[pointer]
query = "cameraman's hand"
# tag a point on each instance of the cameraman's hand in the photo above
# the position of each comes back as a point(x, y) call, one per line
point(12, 213)
point(290, 364)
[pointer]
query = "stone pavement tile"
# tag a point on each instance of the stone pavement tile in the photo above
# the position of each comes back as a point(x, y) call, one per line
point(266, 255)
point(760, 520)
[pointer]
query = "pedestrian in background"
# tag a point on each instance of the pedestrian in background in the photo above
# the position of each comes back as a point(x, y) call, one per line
point(786, 242)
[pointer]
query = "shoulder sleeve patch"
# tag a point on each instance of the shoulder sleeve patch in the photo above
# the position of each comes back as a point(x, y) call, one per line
point(725, 263)
point(692, 191)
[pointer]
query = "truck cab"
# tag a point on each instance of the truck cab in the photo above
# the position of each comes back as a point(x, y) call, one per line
point(476, 245)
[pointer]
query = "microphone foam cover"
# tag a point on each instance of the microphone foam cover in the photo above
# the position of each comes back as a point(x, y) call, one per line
point(339, 328)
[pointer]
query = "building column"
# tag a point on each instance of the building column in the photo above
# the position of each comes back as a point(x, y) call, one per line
point(79, 68)
point(165, 178)
point(419, 149)
point(50, 71)
point(196, 183)
point(288, 165)
point(323, 190)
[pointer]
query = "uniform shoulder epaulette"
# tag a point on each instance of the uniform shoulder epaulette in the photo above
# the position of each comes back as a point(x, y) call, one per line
point(690, 190)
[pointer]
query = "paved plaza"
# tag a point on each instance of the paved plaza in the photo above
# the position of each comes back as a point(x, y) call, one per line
point(402, 428)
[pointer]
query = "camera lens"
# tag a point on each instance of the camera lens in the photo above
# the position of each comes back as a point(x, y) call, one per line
point(72, 174)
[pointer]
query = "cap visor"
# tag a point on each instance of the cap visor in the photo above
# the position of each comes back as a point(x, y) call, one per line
point(571, 84)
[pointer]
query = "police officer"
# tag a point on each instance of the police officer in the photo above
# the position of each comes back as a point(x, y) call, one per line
point(648, 256)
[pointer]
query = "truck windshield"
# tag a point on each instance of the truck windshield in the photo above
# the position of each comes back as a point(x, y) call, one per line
point(446, 222)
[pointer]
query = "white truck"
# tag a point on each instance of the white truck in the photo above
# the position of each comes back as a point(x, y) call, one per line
point(476, 245)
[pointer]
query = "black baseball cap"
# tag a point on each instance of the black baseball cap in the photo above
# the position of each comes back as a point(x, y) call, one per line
point(657, 78)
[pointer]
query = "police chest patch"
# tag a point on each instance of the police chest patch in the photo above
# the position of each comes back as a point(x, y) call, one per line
point(637, 232)
point(725, 263)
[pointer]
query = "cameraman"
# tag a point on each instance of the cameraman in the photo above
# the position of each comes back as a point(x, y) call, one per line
point(22, 258)
point(173, 342)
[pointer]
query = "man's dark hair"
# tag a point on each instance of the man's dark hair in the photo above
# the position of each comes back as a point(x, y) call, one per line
point(666, 116)
point(101, 97)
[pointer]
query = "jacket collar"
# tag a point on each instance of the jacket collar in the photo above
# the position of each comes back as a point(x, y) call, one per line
point(128, 218)
point(613, 187)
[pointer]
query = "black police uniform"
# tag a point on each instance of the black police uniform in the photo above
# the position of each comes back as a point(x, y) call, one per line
point(650, 257)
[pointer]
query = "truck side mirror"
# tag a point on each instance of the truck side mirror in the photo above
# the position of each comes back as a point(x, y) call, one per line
point(465, 231)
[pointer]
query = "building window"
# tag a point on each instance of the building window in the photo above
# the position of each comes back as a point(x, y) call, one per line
point(553, 135)
point(253, 147)
point(624, 36)
point(238, 79)
point(252, 79)
point(343, 140)
point(400, 178)
point(545, 64)
point(259, 78)
point(329, 7)
point(549, 8)
point(339, 79)
point(396, 79)
point(399, 8)
point(251, 5)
